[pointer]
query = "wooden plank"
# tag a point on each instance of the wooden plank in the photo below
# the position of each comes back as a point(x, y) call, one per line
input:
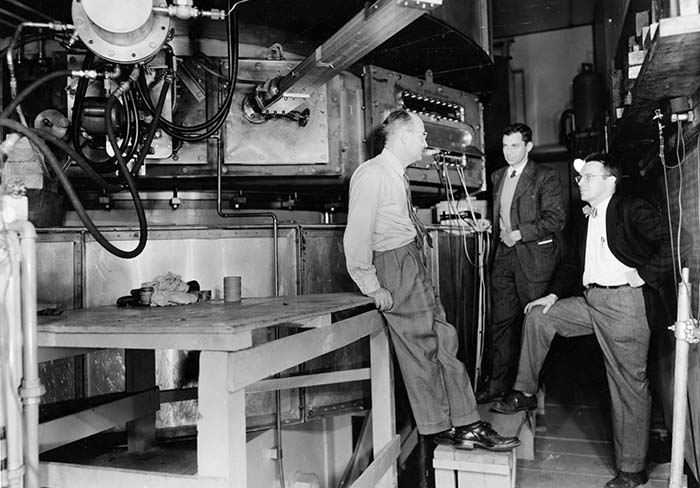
point(477, 467)
point(221, 435)
point(140, 374)
point(408, 446)
point(330, 378)
point(55, 475)
point(383, 419)
point(671, 69)
point(51, 353)
point(445, 478)
point(361, 455)
point(148, 340)
point(251, 365)
point(382, 466)
point(214, 317)
point(68, 429)
point(178, 395)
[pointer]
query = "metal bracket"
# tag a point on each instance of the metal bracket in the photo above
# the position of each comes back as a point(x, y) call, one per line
point(686, 330)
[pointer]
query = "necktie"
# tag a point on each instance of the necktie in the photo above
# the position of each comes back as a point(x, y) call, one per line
point(512, 175)
point(589, 211)
point(421, 232)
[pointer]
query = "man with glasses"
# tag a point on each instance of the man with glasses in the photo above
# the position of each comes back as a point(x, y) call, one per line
point(528, 215)
point(623, 256)
point(383, 240)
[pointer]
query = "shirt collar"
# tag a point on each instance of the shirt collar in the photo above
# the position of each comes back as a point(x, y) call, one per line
point(393, 161)
point(602, 207)
point(518, 169)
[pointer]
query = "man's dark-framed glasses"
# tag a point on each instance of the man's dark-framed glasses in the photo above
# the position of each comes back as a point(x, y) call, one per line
point(588, 178)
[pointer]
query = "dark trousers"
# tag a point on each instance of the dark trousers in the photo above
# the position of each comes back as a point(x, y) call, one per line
point(618, 319)
point(510, 292)
point(425, 344)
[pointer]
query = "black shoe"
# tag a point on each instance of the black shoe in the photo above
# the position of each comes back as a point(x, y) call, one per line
point(625, 479)
point(479, 434)
point(515, 402)
point(488, 395)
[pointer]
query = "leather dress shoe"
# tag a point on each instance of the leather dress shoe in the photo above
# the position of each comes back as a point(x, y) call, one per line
point(479, 434)
point(514, 402)
point(626, 479)
point(488, 395)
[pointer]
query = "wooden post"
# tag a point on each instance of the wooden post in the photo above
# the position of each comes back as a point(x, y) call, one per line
point(221, 437)
point(140, 376)
point(383, 421)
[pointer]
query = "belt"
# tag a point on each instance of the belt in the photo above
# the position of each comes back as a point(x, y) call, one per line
point(608, 287)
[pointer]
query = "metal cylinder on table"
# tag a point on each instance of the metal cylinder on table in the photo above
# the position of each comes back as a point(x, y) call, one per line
point(232, 288)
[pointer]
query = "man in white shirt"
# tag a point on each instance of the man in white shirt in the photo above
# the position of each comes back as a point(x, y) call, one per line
point(382, 243)
point(625, 256)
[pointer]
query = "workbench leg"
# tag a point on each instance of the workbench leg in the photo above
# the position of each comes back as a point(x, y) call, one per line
point(221, 437)
point(383, 420)
point(140, 372)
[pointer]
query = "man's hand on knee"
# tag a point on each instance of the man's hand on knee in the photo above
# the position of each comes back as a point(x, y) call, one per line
point(382, 298)
point(546, 302)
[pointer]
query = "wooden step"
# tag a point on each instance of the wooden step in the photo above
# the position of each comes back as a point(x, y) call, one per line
point(520, 424)
point(477, 468)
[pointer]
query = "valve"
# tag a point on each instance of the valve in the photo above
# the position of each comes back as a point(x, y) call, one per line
point(686, 330)
point(105, 201)
point(175, 201)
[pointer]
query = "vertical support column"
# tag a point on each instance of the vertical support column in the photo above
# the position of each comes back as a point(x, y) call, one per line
point(221, 436)
point(140, 375)
point(383, 420)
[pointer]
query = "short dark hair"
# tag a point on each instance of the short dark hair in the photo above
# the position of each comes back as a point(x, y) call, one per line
point(611, 164)
point(396, 120)
point(523, 129)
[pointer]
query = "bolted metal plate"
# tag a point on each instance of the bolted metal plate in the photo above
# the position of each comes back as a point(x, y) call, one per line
point(278, 141)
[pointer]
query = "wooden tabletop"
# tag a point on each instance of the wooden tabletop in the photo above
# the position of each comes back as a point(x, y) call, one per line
point(214, 318)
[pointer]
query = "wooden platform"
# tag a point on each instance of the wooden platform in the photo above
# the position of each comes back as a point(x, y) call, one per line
point(229, 364)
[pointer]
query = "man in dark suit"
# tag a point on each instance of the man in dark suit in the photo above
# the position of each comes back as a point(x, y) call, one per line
point(528, 213)
point(623, 257)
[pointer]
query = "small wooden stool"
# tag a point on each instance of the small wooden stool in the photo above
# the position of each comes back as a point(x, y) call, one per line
point(478, 468)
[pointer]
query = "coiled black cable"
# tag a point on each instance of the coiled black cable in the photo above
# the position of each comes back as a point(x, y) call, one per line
point(129, 144)
point(75, 201)
point(167, 82)
point(194, 133)
point(84, 165)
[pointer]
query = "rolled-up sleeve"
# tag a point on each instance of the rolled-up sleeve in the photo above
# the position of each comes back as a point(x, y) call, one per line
point(365, 190)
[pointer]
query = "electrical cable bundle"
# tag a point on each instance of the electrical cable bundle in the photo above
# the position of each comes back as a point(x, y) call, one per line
point(206, 129)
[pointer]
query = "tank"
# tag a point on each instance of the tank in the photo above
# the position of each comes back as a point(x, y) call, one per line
point(589, 100)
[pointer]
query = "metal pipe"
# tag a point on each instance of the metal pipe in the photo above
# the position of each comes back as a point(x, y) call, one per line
point(12, 368)
point(271, 215)
point(680, 383)
point(31, 389)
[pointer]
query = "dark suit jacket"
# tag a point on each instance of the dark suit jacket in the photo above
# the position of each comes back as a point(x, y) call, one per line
point(538, 213)
point(638, 237)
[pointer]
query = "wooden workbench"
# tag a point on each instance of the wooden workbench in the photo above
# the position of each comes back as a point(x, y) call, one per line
point(229, 363)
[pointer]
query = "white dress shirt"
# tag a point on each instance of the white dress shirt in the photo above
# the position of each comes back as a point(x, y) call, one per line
point(601, 266)
point(378, 217)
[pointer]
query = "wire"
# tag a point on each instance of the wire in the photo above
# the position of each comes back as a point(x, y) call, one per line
point(211, 126)
point(68, 149)
point(73, 197)
point(236, 5)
